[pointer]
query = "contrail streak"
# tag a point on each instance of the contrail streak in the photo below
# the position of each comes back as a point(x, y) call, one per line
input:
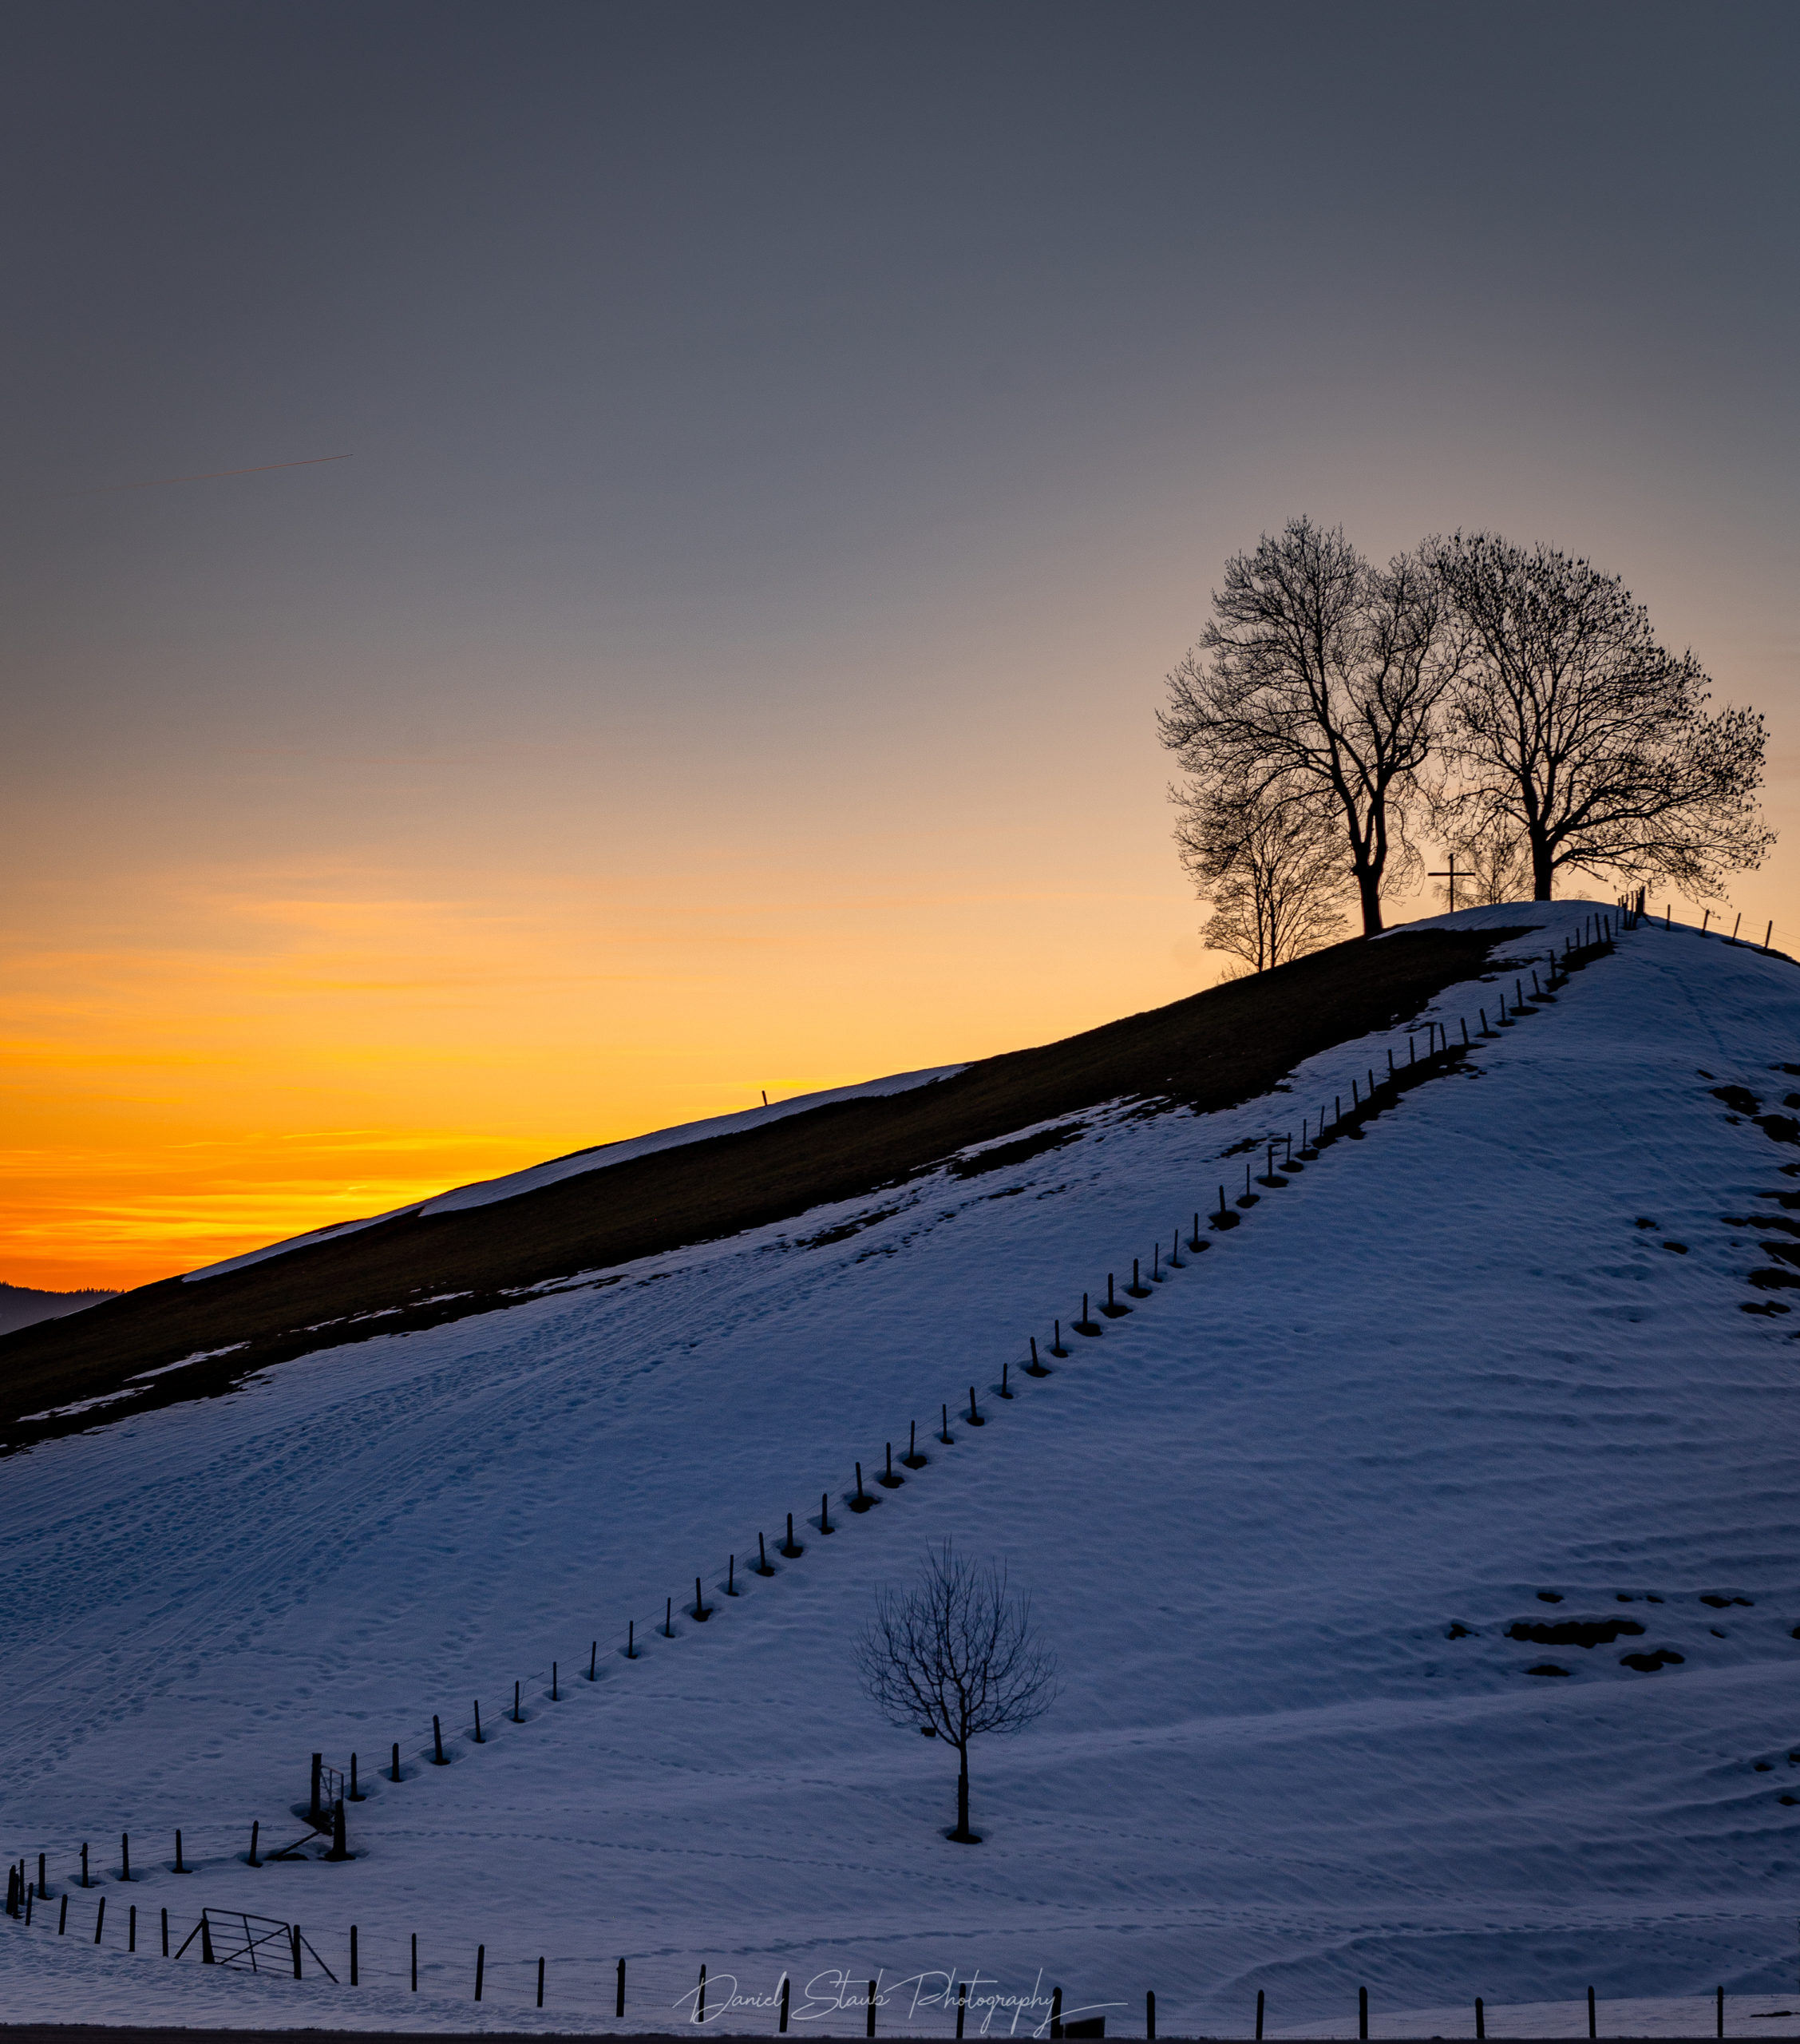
point(213, 475)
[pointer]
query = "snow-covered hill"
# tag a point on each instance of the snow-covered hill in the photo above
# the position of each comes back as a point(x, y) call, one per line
point(1489, 1366)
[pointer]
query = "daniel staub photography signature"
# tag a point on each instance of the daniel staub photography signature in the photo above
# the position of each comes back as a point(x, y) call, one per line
point(987, 2011)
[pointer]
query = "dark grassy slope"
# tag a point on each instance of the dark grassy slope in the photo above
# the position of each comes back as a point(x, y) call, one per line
point(1207, 1052)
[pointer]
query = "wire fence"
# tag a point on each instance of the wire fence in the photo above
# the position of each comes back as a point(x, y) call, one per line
point(1725, 925)
point(1378, 1087)
point(779, 1991)
point(794, 1990)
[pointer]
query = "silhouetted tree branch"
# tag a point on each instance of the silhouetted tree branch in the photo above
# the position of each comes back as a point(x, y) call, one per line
point(1269, 868)
point(1570, 727)
point(1319, 678)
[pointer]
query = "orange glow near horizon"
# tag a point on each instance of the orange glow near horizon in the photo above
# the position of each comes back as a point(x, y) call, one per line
point(277, 1057)
point(289, 1050)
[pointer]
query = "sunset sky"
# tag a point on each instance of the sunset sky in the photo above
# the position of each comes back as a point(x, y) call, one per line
point(789, 446)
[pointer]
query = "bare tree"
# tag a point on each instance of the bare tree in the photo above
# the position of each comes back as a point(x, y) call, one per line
point(1319, 675)
point(954, 1656)
point(1270, 868)
point(1570, 725)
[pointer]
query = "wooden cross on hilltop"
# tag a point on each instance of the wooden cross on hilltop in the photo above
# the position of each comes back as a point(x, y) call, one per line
point(1450, 875)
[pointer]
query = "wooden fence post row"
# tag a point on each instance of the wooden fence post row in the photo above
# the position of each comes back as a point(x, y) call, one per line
point(1058, 2028)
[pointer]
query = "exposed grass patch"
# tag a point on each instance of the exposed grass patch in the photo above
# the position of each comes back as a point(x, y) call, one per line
point(1572, 1632)
point(1003, 1154)
point(846, 1229)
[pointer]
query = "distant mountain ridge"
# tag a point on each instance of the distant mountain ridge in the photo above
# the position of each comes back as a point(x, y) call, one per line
point(21, 1306)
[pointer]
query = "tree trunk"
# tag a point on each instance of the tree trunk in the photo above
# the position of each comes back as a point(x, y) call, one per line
point(961, 1831)
point(1368, 887)
point(1542, 871)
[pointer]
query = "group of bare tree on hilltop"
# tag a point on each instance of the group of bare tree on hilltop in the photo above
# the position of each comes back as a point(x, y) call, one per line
point(1512, 703)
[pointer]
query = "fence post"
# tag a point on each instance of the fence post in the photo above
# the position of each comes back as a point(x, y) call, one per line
point(1362, 2012)
point(870, 2030)
point(312, 1810)
point(1150, 2018)
point(1259, 2015)
point(353, 1980)
point(619, 2009)
point(165, 1934)
point(415, 1962)
point(481, 1961)
point(784, 2005)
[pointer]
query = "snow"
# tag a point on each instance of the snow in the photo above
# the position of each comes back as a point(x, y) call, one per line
point(1441, 1372)
point(486, 1192)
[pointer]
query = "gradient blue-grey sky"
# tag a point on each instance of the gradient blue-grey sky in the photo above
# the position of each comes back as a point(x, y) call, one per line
point(790, 444)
